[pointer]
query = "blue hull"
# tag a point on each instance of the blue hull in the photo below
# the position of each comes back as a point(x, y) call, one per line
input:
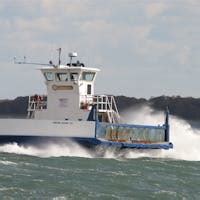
point(86, 142)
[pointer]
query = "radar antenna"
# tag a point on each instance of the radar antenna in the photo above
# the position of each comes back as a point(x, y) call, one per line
point(72, 55)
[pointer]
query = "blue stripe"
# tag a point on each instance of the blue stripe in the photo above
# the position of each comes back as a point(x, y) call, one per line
point(124, 145)
point(87, 142)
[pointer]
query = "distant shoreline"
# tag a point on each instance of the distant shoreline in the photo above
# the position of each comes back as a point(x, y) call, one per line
point(187, 108)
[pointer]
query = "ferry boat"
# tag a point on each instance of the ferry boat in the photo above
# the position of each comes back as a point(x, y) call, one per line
point(72, 112)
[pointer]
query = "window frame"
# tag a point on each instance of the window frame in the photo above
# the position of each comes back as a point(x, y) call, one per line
point(47, 77)
point(78, 75)
point(59, 79)
point(85, 72)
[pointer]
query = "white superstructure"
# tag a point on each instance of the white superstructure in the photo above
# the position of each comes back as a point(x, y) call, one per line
point(70, 95)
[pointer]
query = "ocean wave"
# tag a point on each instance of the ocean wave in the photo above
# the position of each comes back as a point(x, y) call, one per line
point(47, 150)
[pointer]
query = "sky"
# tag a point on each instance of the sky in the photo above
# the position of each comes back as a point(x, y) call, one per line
point(144, 48)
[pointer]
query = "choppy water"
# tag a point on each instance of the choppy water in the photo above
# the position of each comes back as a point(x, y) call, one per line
point(27, 177)
point(71, 172)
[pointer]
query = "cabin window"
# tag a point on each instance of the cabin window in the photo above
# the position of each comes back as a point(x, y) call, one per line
point(49, 76)
point(88, 76)
point(89, 89)
point(62, 77)
point(74, 76)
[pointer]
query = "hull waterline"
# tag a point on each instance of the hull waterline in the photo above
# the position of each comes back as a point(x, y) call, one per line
point(85, 142)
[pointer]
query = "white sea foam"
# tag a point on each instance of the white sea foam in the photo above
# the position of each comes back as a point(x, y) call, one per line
point(60, 198)
point(47, 150)
point(5, 162)
point(185, 139)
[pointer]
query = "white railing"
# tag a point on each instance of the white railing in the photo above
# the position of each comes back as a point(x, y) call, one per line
point(36, 102)
point(105, 103)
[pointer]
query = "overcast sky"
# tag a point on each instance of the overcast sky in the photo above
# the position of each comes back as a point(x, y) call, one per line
point(144, 48)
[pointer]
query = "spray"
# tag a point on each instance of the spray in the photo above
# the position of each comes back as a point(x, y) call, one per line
point(70, 149)
point(186, 139)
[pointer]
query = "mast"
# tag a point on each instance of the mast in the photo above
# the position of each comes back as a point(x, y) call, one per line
point(59, 54)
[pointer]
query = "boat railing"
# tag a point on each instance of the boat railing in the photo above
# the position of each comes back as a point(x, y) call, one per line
point(36, 102)
point(104, 103)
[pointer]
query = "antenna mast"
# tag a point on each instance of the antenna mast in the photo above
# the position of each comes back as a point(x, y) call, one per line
point(32, 63)
point(44, 64)
point(59, 54)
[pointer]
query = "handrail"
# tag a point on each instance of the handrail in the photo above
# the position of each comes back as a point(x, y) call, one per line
point(39, 103)
point(105, 103)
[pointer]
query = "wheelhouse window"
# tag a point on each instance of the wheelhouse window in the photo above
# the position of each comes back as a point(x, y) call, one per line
point(74, 76)
point(49, 76)
point(88, 76)
point(62, 77)
point(89, 89)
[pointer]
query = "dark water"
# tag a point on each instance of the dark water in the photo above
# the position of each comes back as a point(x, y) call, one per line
point(59, 178)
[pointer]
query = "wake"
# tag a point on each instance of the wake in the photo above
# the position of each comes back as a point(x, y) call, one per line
point(185, 139)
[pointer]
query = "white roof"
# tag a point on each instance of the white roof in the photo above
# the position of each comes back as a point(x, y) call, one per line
point(68, 68)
